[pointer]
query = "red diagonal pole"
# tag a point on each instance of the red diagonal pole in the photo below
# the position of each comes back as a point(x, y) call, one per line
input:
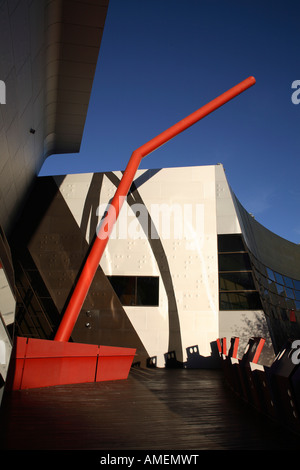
point(81, 289)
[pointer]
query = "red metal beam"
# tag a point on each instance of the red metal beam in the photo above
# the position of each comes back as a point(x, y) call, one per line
point(258, 351)
point(81, 289)
point(235, 347)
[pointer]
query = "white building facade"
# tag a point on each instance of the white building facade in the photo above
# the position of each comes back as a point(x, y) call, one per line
point(165, 242)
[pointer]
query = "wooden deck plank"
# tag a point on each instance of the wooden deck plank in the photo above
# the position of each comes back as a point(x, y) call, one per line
point(153, 409)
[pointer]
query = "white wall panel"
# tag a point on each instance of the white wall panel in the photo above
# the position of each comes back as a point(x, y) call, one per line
point(227, 221)
point(74, 190)
point(191, 263)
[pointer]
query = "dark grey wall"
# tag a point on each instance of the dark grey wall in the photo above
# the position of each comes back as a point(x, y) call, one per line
point(48, 57)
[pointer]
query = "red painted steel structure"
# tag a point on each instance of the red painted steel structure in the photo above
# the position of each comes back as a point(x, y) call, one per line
point(258, 350)
point(234, 347)
point(81, 289)
point(40, 363)
point(43, 363)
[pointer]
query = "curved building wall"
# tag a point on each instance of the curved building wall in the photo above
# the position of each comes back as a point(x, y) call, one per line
point(237, 315)
point(273, 251)
point(276, 266)
point(48, 56)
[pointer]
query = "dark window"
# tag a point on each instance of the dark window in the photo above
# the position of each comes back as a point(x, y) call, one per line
point(147, 290)
point(271, 285)
point(264, 281)
point(230, 243)
point(240, 301)
point(124, 287)
point(283, 314)
point(289, 293)
point(237, 290)
point(279, 278)
point(288, 282)
point(290, 304)
point(136, 290)
point(270, 274)
point(261, 268)
point(234, 262)
point(280, 290)
point(297, 284)
point(236, 281)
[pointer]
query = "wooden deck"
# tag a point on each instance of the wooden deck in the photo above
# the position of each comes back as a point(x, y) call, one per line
point(153, 409)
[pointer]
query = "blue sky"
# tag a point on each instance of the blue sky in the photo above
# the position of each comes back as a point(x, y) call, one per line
point(160, 60)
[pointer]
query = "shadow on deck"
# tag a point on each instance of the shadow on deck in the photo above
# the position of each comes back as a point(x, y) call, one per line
point(165, 409)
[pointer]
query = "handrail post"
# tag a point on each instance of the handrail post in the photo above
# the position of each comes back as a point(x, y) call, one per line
point(92, 262)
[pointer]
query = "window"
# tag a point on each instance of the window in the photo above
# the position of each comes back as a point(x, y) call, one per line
point(147, 290)
point(234, 262)
point(236, 281)
point(288, 282)
point(270, 274)
point(280, 289)
point(289, 293)
point(136, 290)
point(237, 290)
point(230, 243)
point(277, 290)
point(240, 301)
point(279, 278)
point(297, 284)
point(124, 287)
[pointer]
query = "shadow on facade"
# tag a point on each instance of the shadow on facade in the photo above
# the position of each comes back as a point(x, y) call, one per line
point(194, 359)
